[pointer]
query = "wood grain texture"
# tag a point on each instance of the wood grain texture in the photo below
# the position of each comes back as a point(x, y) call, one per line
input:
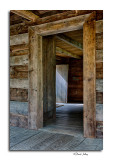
point(99, 55)
point(69, 24)
point(99, 41)
point(99, 70)
point(99, 85)
point(19, 39)
point(26, 14)
point(19, 83)
point(19, 53)
point(75, 81)
point(15, 74)
point(89, 71)
point(35, 115)
point(20, 47)
point(18, 94)
point(66, 53)
point(99, 26)
point(19, 60)
point(49, 73)
point(70, 41)
point(99, 97)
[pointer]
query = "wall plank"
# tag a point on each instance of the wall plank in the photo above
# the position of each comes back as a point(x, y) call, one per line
point(99, 112)
point(18, 94)
point(99, 97)
point(15, 74)
point(99, 26)
point(99, 85)
point(99, 41)
point(75, 81)
point(19, 60)
point(19, 83)
point(19, 53)
point(19, 39)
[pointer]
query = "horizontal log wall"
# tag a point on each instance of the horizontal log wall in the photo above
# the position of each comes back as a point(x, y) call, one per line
point(19, 67)
point(19, 76)
point(75, 81)
point(99, 80)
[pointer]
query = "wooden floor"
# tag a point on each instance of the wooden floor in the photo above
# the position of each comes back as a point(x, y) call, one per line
point(64, 134)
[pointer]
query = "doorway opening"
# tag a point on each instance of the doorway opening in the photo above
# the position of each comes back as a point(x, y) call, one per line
point(69, 85)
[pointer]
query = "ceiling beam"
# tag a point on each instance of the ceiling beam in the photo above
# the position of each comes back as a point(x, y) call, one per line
point(66, 53)
point(26, 14)
point(70, 41)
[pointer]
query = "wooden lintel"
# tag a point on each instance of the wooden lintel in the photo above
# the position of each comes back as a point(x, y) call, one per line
point(26, 14)
point(65, 25)
point(70, 41)
point(66, 53)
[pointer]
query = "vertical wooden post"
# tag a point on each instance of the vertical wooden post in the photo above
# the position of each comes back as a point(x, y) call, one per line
point(89, 77)
point(35, 112)
point(49, 77)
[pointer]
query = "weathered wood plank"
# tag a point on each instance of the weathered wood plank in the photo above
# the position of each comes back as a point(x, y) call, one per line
point(18, 120)
point(99, 55)
point(99, 85)
point(20, 68)
point(99, 41)
point(19, 83)
point(19, 53)
point(21, 47)
point(18, 94)
point(99, 97)
point(19, 39)
point(99, 70)
point(35, 115)
point(99, 112)
point(19, 60)
point(49, 81)
point(99, 26)
point(70, 41)
point(26, 14)
point(66, 53)
point(61, 26)
point(14, 74)
point(89, 75)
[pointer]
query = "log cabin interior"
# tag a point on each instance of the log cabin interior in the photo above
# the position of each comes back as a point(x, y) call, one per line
point(56, 79)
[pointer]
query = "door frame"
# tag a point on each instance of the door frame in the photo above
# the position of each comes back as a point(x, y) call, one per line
point(36, 33)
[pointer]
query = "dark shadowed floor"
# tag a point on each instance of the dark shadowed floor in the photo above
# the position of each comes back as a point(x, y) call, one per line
point(63, 134)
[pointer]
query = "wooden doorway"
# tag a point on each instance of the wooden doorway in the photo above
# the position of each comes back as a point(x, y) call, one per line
point(42, 68)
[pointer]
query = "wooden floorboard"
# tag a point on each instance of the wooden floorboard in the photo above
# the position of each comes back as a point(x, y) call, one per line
point(63, 134)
